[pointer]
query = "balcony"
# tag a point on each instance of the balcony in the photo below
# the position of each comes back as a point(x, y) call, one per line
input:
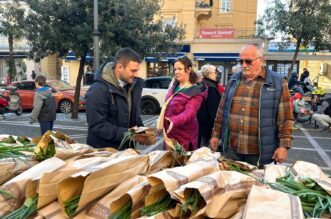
point(202, 8)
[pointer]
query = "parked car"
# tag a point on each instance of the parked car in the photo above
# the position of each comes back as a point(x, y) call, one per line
point(63, 92)
point(154, 94)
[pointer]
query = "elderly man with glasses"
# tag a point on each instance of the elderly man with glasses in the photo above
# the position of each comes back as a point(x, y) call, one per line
point(254, 120)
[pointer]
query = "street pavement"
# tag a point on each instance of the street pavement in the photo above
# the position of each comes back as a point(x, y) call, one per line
point(309, 144)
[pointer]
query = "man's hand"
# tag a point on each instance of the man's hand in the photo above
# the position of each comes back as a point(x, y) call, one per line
point(280, 154)
point(171, 125)
point(214, 143)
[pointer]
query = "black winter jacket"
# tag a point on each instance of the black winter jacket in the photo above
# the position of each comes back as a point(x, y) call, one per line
point(107, 110)
point(208, 109)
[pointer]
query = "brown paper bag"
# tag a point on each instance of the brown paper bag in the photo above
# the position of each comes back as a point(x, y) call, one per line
point(99, 180)
point(271, 204)
point(49, 181)
point(226, 202)
point(65, 150)
point(126, 152)
point(10, 167)
point(167, 181)
point(135, 196)
point(52, 211)
point(159, 160)
point(204, 154)
point(306, 169)
point(17, 185)
point(207, 186)
point(145, 136)
point(100, 209)
point(161, 215)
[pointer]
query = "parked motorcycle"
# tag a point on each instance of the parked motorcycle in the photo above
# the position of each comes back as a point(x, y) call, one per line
point(11, 103)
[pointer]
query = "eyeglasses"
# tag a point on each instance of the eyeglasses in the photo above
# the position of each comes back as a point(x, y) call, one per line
point(247, 61)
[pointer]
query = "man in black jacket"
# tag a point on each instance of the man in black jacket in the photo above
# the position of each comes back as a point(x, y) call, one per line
point(208, 109)
point(113, 100)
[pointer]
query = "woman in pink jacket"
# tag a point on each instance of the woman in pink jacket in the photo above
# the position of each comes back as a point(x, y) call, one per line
point(181, 114)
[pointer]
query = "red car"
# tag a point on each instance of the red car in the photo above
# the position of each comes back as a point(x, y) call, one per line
point(63, 92)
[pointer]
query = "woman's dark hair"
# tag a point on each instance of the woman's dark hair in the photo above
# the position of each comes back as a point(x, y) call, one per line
point(193, 77)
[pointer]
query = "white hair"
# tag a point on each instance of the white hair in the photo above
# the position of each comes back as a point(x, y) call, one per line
point(237, 68)
point(207, 69)
point(199, 75)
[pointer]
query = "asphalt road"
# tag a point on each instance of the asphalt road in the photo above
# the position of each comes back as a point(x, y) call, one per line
point(309, 144)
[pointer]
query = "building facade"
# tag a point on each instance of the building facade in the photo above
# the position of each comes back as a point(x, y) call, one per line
point(215, 30)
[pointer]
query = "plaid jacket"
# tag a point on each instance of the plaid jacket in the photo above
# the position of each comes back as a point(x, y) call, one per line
point(243, 130)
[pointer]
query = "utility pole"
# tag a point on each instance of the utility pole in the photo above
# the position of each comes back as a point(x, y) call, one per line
point(96, 34)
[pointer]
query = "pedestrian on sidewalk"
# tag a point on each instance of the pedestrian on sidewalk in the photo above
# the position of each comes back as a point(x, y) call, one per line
point(323, 115)
point(208, 109)
point(44, 105)
point(178, 116)
point(113, 100)
point(254, 120)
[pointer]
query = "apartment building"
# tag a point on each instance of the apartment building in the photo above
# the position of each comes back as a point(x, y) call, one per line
point(215, 32)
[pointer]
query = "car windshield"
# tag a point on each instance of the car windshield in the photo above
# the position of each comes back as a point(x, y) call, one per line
point(60, 85)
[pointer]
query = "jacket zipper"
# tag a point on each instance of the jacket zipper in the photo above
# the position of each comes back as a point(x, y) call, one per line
point(227, 121)
point(259, 140)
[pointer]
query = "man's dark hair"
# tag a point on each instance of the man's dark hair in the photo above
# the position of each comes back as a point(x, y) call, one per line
point(125, 55)
point(40, 80)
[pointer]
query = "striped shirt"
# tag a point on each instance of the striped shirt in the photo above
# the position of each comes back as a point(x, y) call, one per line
point(243, 125)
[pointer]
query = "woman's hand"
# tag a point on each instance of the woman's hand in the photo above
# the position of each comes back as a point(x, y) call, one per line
point(171, 125)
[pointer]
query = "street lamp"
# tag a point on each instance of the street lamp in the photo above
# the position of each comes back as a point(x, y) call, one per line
point(96, 35)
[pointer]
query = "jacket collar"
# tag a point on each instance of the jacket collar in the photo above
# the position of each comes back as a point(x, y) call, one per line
point(268, 77)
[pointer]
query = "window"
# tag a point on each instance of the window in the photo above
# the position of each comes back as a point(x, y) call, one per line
point(65, 73)
point(148, 83)
point(169, 22)
point(164, 84)
point(157, 83)
point(26, 86)
point(225, 6)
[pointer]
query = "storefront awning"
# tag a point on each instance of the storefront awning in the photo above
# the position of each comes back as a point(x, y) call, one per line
point(214, 57)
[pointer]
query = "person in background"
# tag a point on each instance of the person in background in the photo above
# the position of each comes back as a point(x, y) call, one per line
point(208, 109)
point(113, 100)
point(185, 96)
point(44, 105)
point(304, 75)
point(323, 115)
point(33, 75)
point(293, 80)
point(300, 113)
point(254, 120)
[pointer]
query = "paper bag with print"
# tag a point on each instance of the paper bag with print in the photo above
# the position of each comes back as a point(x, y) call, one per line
point(84, 187)
point(165, 182)
point(204, 154)
point(159, 160)
point(100, 209)
point(49, 181)
point(10, 167)
point(52, 211)
point(200, 190)
point(130, 202)
point(306, 169)
point(226, 202)
point(17, 186)
point(272, 204)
